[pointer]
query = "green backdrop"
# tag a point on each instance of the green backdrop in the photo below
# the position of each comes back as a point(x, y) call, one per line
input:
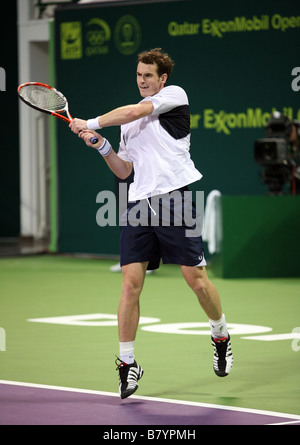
point(233, 59)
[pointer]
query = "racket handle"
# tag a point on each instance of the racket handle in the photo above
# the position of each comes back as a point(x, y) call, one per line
point(94, 140)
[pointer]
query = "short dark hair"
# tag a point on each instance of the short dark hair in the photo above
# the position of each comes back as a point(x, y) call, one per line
point(163, 60)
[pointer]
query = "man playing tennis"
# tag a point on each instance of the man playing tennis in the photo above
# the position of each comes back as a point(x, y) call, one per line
point(155, 142)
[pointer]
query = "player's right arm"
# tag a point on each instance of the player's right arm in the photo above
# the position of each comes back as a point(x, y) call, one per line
point(118, 166)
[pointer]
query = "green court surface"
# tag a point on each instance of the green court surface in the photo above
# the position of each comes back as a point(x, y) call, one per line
point(177, 364)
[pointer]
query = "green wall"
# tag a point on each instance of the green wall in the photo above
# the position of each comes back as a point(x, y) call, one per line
point(260, 237)
point(234, 60)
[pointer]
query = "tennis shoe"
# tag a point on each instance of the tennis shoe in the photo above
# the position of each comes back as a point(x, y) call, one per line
point(223, 358)
point(129, 374)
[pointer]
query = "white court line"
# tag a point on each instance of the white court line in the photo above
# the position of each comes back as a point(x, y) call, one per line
point(292, 422)
point(293, 418)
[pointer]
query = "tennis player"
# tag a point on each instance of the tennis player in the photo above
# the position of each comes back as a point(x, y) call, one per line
point(155, 142)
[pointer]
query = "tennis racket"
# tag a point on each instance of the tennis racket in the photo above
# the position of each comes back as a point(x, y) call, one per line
point(47, 99)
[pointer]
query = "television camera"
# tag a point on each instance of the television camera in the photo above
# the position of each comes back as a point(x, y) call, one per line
point(272, 152)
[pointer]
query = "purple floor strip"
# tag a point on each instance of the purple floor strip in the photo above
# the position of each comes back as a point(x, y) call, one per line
point(24, 405)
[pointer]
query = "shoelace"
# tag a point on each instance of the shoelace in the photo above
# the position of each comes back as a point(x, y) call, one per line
point(121, 364)
point(220, 340)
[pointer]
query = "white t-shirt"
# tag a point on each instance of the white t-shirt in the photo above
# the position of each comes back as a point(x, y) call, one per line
point(158, 146)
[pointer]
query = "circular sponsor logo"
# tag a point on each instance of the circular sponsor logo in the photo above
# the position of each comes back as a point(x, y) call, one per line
point(127, 35)
point(97, 36)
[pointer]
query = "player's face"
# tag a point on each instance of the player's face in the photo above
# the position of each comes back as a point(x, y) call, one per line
point(148, 81)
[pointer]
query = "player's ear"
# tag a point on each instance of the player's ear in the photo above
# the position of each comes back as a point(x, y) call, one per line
point(164, 77)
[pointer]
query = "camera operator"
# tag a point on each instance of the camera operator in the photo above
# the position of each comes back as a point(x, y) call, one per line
point(294, 140)
point(279, 154)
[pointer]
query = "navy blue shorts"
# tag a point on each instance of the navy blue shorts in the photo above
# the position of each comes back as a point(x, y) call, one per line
point(155, 230)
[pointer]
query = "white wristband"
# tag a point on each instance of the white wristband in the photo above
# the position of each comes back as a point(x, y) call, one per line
point(105, 148)
point(93, 124)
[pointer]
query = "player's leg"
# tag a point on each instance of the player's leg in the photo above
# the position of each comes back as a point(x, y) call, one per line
point(129, 307)
point(128, 318)
point(209, 299)
point(138, 249)
point(207, 293)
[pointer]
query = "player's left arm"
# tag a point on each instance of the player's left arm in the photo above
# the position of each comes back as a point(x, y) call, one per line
point(118, 116)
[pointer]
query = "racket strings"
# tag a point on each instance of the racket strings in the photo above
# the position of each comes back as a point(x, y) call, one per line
point(42, 97)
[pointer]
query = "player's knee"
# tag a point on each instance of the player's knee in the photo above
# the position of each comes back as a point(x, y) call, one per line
point(199, 285)
point(131, 288)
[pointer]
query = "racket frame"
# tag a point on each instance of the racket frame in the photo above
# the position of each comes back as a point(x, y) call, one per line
point(56, 113)
point(44, 110)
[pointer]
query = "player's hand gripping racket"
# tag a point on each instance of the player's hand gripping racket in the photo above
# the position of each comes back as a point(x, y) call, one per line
point(47, 99)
